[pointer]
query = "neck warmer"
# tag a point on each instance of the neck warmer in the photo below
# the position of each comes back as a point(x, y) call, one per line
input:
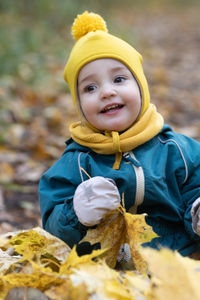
point(111, 142)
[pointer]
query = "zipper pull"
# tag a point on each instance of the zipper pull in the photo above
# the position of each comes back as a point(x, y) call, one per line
point(130, 158)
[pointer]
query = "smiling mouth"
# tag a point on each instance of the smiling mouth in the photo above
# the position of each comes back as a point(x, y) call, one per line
point(111, 108)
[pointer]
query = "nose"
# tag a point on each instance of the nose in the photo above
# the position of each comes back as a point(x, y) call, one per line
point(107, 91)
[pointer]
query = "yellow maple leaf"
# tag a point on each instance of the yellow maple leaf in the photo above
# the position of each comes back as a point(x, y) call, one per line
point(59, 249)
point(29, 243)
point(174, 277)
point(117, 290)
point(117, 228)
point(138, 232)
point(74, 261)
point(111, 233)
point(38, 279)
point(106, 283)
point(4, 288)
point(7, 260)
point(101, 281)
point(137, 284)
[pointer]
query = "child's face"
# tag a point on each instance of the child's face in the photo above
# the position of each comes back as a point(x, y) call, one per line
point(109, 95)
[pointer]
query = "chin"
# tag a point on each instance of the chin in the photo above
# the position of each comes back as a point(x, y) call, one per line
point(116, 129)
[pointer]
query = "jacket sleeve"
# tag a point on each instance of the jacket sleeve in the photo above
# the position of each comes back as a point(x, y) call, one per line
point(56, 191)
point(191, 187)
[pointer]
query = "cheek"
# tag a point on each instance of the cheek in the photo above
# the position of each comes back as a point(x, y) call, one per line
point(135, 105)
point(133, 98)
point(82, 105)
point(138, 106)
point(87, 108)
point(83, 102)
point(137, 94)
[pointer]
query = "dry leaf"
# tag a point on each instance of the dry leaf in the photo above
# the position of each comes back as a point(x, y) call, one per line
point(111, 233)
point(36, 279)
point(115, 229)
point(67, 291)
point(38, 241)
point(74, 277)
point(6, 172)
point(7, 260)
point(138, 232)
point(107, 283)
point(74, 261)
point(174, 277)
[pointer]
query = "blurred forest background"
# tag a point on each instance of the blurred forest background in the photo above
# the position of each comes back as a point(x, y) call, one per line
point(35, 105)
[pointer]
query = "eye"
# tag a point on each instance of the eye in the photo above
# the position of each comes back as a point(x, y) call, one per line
point(89, 88)
point(119, 79)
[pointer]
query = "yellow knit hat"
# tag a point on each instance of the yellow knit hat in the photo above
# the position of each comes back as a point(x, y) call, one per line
point(94, 42)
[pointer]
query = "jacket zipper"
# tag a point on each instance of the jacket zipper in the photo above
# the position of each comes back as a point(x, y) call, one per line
point(140, 180)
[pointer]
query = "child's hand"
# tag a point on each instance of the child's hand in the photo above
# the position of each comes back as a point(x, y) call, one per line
point(195, 212)
point(93, 198)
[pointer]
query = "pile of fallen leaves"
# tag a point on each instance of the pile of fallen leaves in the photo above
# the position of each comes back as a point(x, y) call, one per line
point(36, 265)
point(33, 129)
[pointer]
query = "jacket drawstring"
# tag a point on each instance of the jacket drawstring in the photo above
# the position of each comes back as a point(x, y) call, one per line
point(118, 158)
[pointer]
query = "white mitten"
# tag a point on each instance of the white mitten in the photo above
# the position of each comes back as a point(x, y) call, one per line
point(195, 212)
point(93, 198)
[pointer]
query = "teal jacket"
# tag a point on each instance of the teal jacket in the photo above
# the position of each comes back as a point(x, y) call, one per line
point(160, 178)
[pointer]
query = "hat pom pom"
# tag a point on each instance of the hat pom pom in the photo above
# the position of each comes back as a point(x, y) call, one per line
point(87, 22)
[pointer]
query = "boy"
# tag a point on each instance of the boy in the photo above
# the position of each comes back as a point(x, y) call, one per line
point(121, 146)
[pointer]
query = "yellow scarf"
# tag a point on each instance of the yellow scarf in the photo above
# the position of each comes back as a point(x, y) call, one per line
point(112, 142)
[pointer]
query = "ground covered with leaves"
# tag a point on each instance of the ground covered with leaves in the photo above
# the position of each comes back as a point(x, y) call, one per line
point(36, 265)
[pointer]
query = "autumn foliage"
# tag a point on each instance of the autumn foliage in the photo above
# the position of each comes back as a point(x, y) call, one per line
point(34, 261)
